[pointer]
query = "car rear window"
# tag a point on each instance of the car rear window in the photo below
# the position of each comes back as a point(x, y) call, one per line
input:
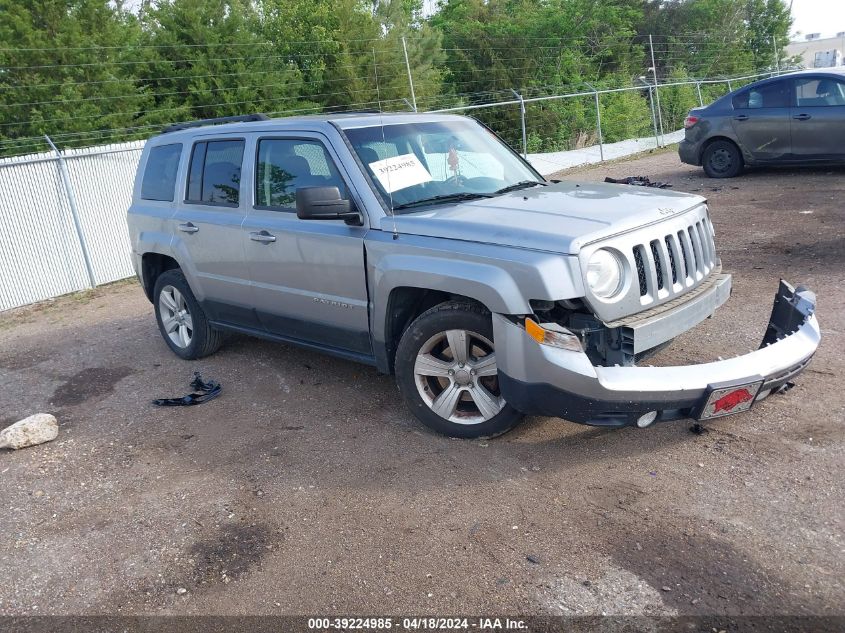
point(159, 180)
point(215, 173)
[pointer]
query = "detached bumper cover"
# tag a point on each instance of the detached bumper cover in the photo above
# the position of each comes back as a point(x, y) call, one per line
point(542, 380)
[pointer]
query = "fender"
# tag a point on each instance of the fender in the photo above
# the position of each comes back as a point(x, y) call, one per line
point(503, 279)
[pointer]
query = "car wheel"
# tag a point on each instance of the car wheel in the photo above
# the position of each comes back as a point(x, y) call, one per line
point(181, 320)
point(722, 159)
point(447, 373)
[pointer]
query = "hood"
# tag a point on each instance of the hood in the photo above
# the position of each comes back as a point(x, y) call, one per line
point(559, 218)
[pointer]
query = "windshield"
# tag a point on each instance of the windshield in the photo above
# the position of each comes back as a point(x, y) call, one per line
point(414, 165)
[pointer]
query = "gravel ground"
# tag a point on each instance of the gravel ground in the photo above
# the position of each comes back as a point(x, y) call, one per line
point(307, 488)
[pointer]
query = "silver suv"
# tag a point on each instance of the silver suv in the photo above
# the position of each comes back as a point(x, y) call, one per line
point(426, 247)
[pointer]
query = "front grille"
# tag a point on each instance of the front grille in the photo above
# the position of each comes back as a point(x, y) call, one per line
point(685, 258)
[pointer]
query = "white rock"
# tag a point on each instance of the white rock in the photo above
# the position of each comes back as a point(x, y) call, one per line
point(36, 429)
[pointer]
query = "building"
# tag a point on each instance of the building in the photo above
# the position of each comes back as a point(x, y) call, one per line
point(819, 52)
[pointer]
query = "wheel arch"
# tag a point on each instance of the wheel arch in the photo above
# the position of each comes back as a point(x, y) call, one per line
point(719, 137)
point(152, 266)
point(406, 303)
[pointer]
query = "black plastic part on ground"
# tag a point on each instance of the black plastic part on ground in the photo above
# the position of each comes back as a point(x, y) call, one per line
point(640, 181)
point(203, 392)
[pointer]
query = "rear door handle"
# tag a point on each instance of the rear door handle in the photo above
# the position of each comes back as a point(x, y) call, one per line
point(802, 117)
point(741, 117)
point(262, 236)
point(189, 227)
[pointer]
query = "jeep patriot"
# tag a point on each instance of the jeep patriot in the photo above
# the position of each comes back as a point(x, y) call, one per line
point(423, 245)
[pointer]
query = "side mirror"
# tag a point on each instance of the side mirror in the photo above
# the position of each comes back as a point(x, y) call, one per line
point(324, 203)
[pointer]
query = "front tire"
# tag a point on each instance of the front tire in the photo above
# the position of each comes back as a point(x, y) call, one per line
point(722, 159)
point(447, 374)
point(181, 320)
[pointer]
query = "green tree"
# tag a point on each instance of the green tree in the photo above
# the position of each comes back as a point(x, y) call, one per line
point(207, 58)
point(67, 69)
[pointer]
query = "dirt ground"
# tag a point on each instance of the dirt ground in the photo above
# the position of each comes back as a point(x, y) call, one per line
point(307, 488)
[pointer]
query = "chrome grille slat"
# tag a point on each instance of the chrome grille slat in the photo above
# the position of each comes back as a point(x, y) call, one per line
point(689, 264)
point(699, 254)
point(708, 232)
point(705, 246)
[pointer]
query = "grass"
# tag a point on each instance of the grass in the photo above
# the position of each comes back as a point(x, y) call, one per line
point(26, 314)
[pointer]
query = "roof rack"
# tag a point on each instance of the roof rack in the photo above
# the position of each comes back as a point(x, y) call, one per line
point(242, 118)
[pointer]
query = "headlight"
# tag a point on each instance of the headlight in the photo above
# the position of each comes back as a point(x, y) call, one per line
point(604, 273)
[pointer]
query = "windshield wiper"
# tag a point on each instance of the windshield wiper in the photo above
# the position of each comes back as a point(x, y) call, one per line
point(522, 184)
point(447, 197)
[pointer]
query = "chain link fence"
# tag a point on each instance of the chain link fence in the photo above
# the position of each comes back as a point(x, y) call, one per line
point(63, 212)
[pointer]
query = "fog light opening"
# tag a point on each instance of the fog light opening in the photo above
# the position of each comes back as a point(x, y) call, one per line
point(646, 419)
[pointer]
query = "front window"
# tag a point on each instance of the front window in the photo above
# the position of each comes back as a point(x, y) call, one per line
point(819, 92)
point(414, 165)
point(285, 165)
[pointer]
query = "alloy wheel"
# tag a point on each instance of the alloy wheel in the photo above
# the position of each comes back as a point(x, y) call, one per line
point(176, 316)
point(456, 375)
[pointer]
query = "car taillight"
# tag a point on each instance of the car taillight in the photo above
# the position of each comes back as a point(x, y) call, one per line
point(690, 121)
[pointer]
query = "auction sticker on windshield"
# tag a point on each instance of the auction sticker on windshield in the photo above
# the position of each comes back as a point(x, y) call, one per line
point(400, 172)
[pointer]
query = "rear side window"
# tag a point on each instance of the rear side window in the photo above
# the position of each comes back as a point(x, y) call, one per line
point(214, 176)
point(774, 95)
point(159, 180)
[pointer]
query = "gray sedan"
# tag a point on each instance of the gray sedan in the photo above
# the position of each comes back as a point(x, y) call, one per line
point(791, 119)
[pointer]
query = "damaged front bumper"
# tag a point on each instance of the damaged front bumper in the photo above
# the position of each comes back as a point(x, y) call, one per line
point(544, 380)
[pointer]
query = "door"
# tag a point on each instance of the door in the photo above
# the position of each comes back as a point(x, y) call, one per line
point(208, 234)
point(308, 276)
point(761, 120)
point(818, 119)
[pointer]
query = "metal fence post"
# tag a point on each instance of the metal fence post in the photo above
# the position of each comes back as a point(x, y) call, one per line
point(730, 86)
point(598, 120)
point(777, 55)
point(698, 89)
point(656, 91)
point(410, 78)
point(522, 117)
point(648, 86)
point(71, 198)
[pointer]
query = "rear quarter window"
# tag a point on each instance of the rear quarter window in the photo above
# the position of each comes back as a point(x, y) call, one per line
point(159, 182)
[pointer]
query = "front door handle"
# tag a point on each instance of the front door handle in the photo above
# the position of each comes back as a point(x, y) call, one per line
point(262, 236)
point(741, 117)
point(189, 227)
point(802, 117)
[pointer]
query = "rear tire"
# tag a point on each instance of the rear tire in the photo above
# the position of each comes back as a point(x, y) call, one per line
point(447, 374)
point(722, 159)
point(181, 320)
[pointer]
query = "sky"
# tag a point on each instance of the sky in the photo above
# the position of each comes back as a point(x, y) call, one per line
point(818, 16)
